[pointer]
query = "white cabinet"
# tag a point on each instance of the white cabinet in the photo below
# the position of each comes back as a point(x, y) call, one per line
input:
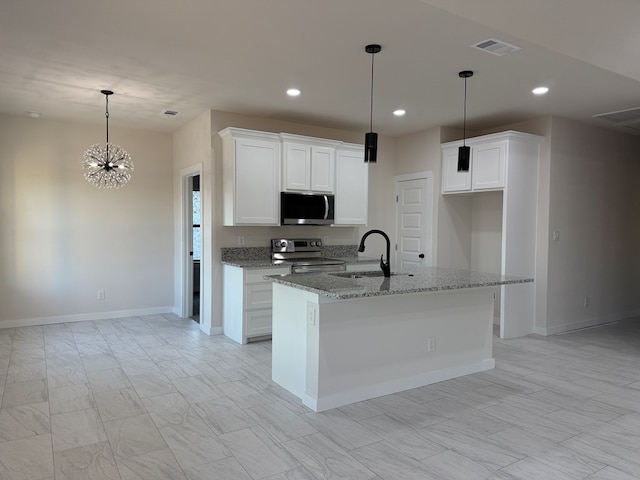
point(251, 171)
point(487, 165)
point(352, 180)
point(308, 164)
point(495, 228)
point(247, 302)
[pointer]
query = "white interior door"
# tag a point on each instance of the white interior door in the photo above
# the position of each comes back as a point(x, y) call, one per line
point(413, 221)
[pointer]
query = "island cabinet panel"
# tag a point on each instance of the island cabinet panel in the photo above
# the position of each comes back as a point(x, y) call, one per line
point(352, 186)
point(247, 302)
point(251, 170)
point(332, 353)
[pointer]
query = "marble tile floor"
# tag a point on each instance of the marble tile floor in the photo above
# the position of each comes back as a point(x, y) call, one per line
point(152, 398)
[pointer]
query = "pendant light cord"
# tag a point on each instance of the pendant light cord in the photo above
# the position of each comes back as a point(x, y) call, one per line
point(464, 115)
point(371, 105)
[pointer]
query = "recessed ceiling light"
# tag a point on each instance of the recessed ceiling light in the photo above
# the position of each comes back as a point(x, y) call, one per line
point(540, 90)
point(293, 92)
point(399, 112)
point(33, 114)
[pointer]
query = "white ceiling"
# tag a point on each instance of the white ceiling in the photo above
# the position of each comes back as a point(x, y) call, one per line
point(241, 55)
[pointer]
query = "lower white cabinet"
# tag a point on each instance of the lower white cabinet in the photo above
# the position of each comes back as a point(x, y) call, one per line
point(246, 307)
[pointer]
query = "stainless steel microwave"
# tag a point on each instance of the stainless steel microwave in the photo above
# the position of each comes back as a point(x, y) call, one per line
point(306, 208)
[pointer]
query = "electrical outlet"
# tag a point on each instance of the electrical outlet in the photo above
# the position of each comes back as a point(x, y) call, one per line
point(100, 294)
point(241, 240)
point(556, 235)
point(325, 240)
point(431, 344)
point(311, 313)
point(586, 302)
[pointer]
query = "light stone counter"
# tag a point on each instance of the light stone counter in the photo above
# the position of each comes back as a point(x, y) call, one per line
point(426, 279)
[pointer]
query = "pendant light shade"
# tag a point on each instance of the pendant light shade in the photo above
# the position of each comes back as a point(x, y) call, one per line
point(464, 152)
point(108, 165)
point(371, 138)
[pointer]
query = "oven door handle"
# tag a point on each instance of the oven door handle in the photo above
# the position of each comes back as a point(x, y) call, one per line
point(326, 207)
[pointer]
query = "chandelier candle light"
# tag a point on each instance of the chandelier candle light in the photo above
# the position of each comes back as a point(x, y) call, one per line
point(107, 166)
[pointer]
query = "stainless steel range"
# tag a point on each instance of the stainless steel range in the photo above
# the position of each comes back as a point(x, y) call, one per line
point(304, 255)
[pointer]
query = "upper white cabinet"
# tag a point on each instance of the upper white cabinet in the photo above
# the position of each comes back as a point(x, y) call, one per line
point(352, 180)
point(308, 164)
point(490, 156)
point(257, 166)
point(251, 172)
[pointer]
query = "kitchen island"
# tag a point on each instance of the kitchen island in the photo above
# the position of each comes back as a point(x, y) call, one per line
point(342, 338)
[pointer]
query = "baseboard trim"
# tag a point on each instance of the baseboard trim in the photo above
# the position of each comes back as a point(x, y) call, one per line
point(84, 317)
point(590, 322)
point(394, 386)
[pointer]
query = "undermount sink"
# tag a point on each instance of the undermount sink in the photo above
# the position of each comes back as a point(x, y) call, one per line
point(371, 274)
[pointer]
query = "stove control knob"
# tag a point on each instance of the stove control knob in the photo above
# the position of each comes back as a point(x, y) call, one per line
point(312, 244)
point(283, 244)
point(319, 243)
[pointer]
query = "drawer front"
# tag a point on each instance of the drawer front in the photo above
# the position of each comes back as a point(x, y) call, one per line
point(258, 295)
point(258, 323)
point(257, 276)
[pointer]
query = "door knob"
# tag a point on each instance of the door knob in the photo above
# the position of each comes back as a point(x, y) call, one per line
point(421, 255)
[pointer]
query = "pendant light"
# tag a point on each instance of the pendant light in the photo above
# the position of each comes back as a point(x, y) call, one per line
point(371, 138)
point(464, 152)
point(107, 166)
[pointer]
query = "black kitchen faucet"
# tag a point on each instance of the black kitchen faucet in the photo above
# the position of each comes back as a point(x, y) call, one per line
point(385, 266)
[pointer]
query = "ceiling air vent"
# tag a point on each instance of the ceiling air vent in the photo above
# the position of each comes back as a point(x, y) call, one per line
point(621, 117)
point(171, 113)
point(496, 47)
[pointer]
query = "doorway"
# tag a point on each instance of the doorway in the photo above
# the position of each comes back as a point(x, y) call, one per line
point(191, 256)
point(414, 194)
point(195, 248)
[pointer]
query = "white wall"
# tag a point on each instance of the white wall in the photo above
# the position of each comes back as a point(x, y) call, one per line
point(594, 202)
point(192, 152)
point(62, 239)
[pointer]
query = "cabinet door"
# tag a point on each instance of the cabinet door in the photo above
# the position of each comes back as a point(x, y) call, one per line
point(489, 165)
point(322, 169)
point(297, 167)
point(452, 179)
point(257, 186)
point(352, 191)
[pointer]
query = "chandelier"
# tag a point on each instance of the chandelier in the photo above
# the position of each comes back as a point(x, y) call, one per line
point(108, 165)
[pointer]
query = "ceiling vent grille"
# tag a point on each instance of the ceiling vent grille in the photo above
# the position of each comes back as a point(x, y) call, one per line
point(171, 113)
point(496, 47)
point(621, 117)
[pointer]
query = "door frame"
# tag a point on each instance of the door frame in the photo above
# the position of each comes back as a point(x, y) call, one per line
point(186, 230)
point(428, 176)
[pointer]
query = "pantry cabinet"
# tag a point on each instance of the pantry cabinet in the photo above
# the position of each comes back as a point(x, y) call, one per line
point(247, 302)
point(308, 164)
point(251, 171)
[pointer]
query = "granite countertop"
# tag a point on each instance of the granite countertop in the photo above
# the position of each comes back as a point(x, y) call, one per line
point(424, 279)
point(260, 257)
